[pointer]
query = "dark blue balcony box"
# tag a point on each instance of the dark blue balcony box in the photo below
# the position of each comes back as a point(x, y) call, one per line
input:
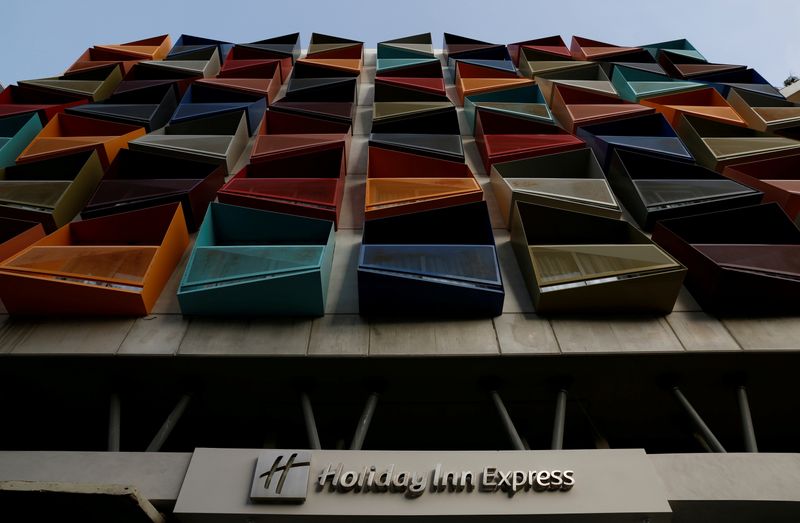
point(650, 134)
point(433, 263)
point(202, 101)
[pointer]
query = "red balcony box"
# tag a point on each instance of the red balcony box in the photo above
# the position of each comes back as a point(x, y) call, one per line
point(778, 178)
point(268, 147)
point(550, 45)
point(284, 117)
point(139, 179)
point(245, 53)
point(15, 235)
point(19, 100)
point(574, 107)
point(110, 266)
point(502, 138)
point(401, 183)
point(292, 179)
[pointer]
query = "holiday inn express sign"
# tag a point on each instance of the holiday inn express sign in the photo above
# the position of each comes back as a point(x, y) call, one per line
point(302, 485)
point(282, 476)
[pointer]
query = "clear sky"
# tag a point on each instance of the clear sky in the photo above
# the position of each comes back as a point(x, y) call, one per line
point(42, 37)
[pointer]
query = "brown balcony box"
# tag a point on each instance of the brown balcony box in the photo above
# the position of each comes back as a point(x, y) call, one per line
point(139, 179)
point(15, 235)
point(574, 262)
point(778, 178)
point(740, 261)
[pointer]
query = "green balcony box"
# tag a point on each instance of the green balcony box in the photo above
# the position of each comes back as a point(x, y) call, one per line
point(574, 262)
point(52, 191)
point(16, 132)
point(250, 262)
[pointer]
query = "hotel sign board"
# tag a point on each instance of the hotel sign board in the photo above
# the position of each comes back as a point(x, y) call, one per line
point(294, 485)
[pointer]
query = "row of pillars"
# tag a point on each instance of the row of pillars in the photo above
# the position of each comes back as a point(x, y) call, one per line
point(710, 441)
point(556, 443)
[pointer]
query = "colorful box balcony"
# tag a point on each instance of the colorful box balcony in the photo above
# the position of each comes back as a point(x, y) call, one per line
point(139, 179)
point(188, 47)
point(441, 262)
point(525, 102)
point(407, 47)
point(415, 118)
point(285, 48)
point(146, 105)
point(463, 48)
point(444, 146)
point(741, 80)
point(469, 68)
point(680, 46)
point(716, 145)
point(124, 55)
point(330, 89)
point(471, 86)
point(110, 266)
point(204, 62)
point(549, 46)
point(536, 61)
point(583, 263)
point(505, 137)
point(633, 84)
point(94, 84)
point(286, 117)
point(591, 78)
point(16, 235)
point(204, 100)
point(69, 133)
point(649, 133)
point(260, 77)
point(418, 67)
point(15, 100)
point(594, 50)
point(401, 89)
point(706, 103)
point(685, 66)
point(219, 139)
point(401, 182)
point(743, 261)
point(327, 46)
point(301, 174)
point(767, 113)
point(570, 180)
point(51, 191)
point(654, 188)
point(574, 107)
point(16, 132)
point(778, 178)
point(250, 262)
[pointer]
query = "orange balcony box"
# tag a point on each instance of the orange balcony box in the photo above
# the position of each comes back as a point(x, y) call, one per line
point(402, 183)
point(15, 235)
point(111, 266)
point(68, 133)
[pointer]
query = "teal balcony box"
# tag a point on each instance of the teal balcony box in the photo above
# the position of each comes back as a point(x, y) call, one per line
point(249, 262)
point(16, 132)
point(526, 102)
point(634, 85)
